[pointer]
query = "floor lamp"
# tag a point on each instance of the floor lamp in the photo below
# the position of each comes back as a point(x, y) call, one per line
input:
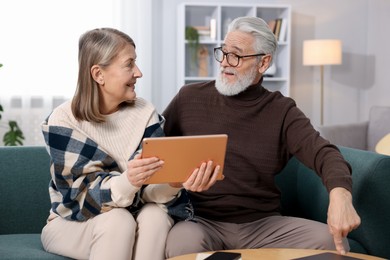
point(320, 53)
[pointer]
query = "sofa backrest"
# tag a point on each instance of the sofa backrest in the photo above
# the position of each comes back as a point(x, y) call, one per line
point(304, 195)
point(24, 180)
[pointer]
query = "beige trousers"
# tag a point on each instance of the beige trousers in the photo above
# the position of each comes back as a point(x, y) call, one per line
point(111, 235)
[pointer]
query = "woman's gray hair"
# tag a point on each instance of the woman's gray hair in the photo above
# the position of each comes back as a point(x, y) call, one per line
point(265, 40)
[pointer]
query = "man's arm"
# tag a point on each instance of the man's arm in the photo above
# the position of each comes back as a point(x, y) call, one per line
point(342, 216)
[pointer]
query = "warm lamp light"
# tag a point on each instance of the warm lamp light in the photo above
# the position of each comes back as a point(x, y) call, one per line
point(320, 53)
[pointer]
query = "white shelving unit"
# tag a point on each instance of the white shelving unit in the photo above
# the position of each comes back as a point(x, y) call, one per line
point(217, 17)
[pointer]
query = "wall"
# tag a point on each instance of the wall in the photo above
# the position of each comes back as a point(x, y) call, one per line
point(331, 19)
point(377, 91)
point(350, 89)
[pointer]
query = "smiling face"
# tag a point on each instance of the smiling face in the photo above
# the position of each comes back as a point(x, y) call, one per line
point(233, 80)
point(117, 81)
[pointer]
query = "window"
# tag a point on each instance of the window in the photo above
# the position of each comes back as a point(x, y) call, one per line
point(38, 50)
point(39, 43)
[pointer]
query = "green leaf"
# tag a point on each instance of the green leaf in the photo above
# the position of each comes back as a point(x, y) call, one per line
point(192, 36)
point(14, 136)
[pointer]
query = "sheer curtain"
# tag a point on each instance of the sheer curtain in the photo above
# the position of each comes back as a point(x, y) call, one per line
point(136, 20)
point(38, 50)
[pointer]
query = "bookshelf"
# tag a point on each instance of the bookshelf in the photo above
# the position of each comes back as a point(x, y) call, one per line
point(196, 61)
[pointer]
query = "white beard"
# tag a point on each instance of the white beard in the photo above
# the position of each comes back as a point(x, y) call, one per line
point(241, 84)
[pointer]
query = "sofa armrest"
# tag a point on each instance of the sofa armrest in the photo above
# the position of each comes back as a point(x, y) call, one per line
point(304, 195)
point(371, 198)
point(352, 135)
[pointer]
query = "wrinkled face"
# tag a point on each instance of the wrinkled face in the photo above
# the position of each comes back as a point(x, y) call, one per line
point(233, 80)
point(119, 80)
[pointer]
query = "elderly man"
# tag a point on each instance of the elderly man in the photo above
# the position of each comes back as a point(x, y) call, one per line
point(265, 130)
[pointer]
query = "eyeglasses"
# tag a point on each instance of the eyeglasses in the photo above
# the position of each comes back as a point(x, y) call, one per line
point(231, 58)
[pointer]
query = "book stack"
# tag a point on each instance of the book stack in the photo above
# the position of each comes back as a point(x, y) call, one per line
point(279, 28)
point(204, 32)
point(207, 32)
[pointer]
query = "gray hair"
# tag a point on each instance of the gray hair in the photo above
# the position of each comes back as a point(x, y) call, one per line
point(265, 40)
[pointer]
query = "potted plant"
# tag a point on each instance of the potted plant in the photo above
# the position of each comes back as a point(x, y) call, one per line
point(192, 37)
point(14, 136)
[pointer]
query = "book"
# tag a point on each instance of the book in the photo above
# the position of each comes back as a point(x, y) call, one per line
point(272, 25)
point(203, 30)
point(283, 30)
point(277, 28)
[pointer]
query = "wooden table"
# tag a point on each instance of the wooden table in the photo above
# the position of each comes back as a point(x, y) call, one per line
point(273, 254)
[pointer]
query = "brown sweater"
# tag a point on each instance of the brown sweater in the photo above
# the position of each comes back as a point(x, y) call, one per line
point(265, 129)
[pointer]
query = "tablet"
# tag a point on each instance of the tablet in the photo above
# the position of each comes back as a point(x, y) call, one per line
point(327, 256)
point(224, 256)
point(183, 154)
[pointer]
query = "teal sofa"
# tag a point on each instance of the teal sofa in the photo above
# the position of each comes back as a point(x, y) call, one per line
point(24, 203)
point(303, 195)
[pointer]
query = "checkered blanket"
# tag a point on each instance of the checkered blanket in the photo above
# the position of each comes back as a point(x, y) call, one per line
point(81, 171)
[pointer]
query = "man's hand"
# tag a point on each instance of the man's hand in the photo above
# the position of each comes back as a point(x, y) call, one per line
point(342, 216)
point(201, 179)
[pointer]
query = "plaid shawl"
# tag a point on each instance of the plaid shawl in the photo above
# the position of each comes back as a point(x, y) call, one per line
point(81, 172)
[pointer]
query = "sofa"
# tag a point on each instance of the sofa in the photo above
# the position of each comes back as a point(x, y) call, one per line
point(303, 195)
point(363, 135)
point(24, 203)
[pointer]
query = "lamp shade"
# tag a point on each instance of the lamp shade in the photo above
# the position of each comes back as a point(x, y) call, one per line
point(322, 52)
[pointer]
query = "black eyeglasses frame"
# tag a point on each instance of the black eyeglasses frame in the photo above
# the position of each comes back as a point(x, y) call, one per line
point(225, 54)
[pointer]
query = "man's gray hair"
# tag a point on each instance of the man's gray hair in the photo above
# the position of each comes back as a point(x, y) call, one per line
point(265, 40)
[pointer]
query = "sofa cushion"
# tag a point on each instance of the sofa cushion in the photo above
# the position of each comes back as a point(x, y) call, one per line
point(378, 126)
point(352, 135)
point(24, 182)
point(24, 246)
point(383, 146)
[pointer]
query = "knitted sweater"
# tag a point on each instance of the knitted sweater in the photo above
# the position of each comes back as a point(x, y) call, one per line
point(265, 129)
point(88, 161)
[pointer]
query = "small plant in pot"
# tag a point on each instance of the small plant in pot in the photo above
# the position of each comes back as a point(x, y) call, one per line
point(192, 37)
point(14, 136)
